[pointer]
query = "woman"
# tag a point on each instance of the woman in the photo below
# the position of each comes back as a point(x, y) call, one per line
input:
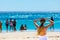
point(7, 23)
point(14, 24)
point(11, 24)
point(42, 29)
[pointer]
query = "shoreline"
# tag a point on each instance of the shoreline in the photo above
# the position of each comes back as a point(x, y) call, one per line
point(27, 35)
point(56, 30)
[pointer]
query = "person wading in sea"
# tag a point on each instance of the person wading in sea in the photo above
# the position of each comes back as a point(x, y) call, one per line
point(11, 24)
point(7, 23)
point(14, 24)
point(0, 26)
point(52, 27)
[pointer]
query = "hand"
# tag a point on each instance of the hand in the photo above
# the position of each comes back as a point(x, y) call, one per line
point(34, 20)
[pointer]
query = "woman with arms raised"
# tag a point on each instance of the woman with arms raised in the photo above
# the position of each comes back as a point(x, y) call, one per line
point(41, 30)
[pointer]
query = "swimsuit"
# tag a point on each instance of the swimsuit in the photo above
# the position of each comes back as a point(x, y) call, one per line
point(43, 37)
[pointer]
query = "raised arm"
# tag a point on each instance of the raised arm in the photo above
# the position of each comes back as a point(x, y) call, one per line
point(51, 23)
point(36, 23)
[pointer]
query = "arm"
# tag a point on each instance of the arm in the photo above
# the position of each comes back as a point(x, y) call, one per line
point(36, 24)
point(51, 23)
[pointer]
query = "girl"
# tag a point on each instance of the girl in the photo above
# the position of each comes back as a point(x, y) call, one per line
point(41, 30)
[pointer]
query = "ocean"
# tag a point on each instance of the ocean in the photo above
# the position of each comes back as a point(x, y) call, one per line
point(27, 18)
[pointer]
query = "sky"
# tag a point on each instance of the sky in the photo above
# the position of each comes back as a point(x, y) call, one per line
point(29, 5)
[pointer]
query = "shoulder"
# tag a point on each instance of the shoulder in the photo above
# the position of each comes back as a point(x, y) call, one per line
point(45, 27)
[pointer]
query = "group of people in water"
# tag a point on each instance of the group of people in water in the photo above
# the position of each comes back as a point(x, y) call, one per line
point(23, 27)
point(12, 25)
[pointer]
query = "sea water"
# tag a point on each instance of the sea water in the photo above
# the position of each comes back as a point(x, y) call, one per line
point(27, 18)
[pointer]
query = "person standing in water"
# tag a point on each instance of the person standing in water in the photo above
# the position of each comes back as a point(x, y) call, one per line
point(14, 24)
point(52, 27)
point(41, 30)
point(0, 26)
point(11, 24)
point(7, 23)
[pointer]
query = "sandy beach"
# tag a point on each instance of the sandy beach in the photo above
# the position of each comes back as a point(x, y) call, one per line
point(27, 35)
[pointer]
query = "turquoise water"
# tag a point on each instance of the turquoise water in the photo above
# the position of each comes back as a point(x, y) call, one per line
point(28, 18)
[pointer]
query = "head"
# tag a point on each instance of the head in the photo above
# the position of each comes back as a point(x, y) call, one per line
point(6, 19)
point(42, 21)
point(14, 19)
point(21, 25)
point(10, 18)
point(51, 17)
